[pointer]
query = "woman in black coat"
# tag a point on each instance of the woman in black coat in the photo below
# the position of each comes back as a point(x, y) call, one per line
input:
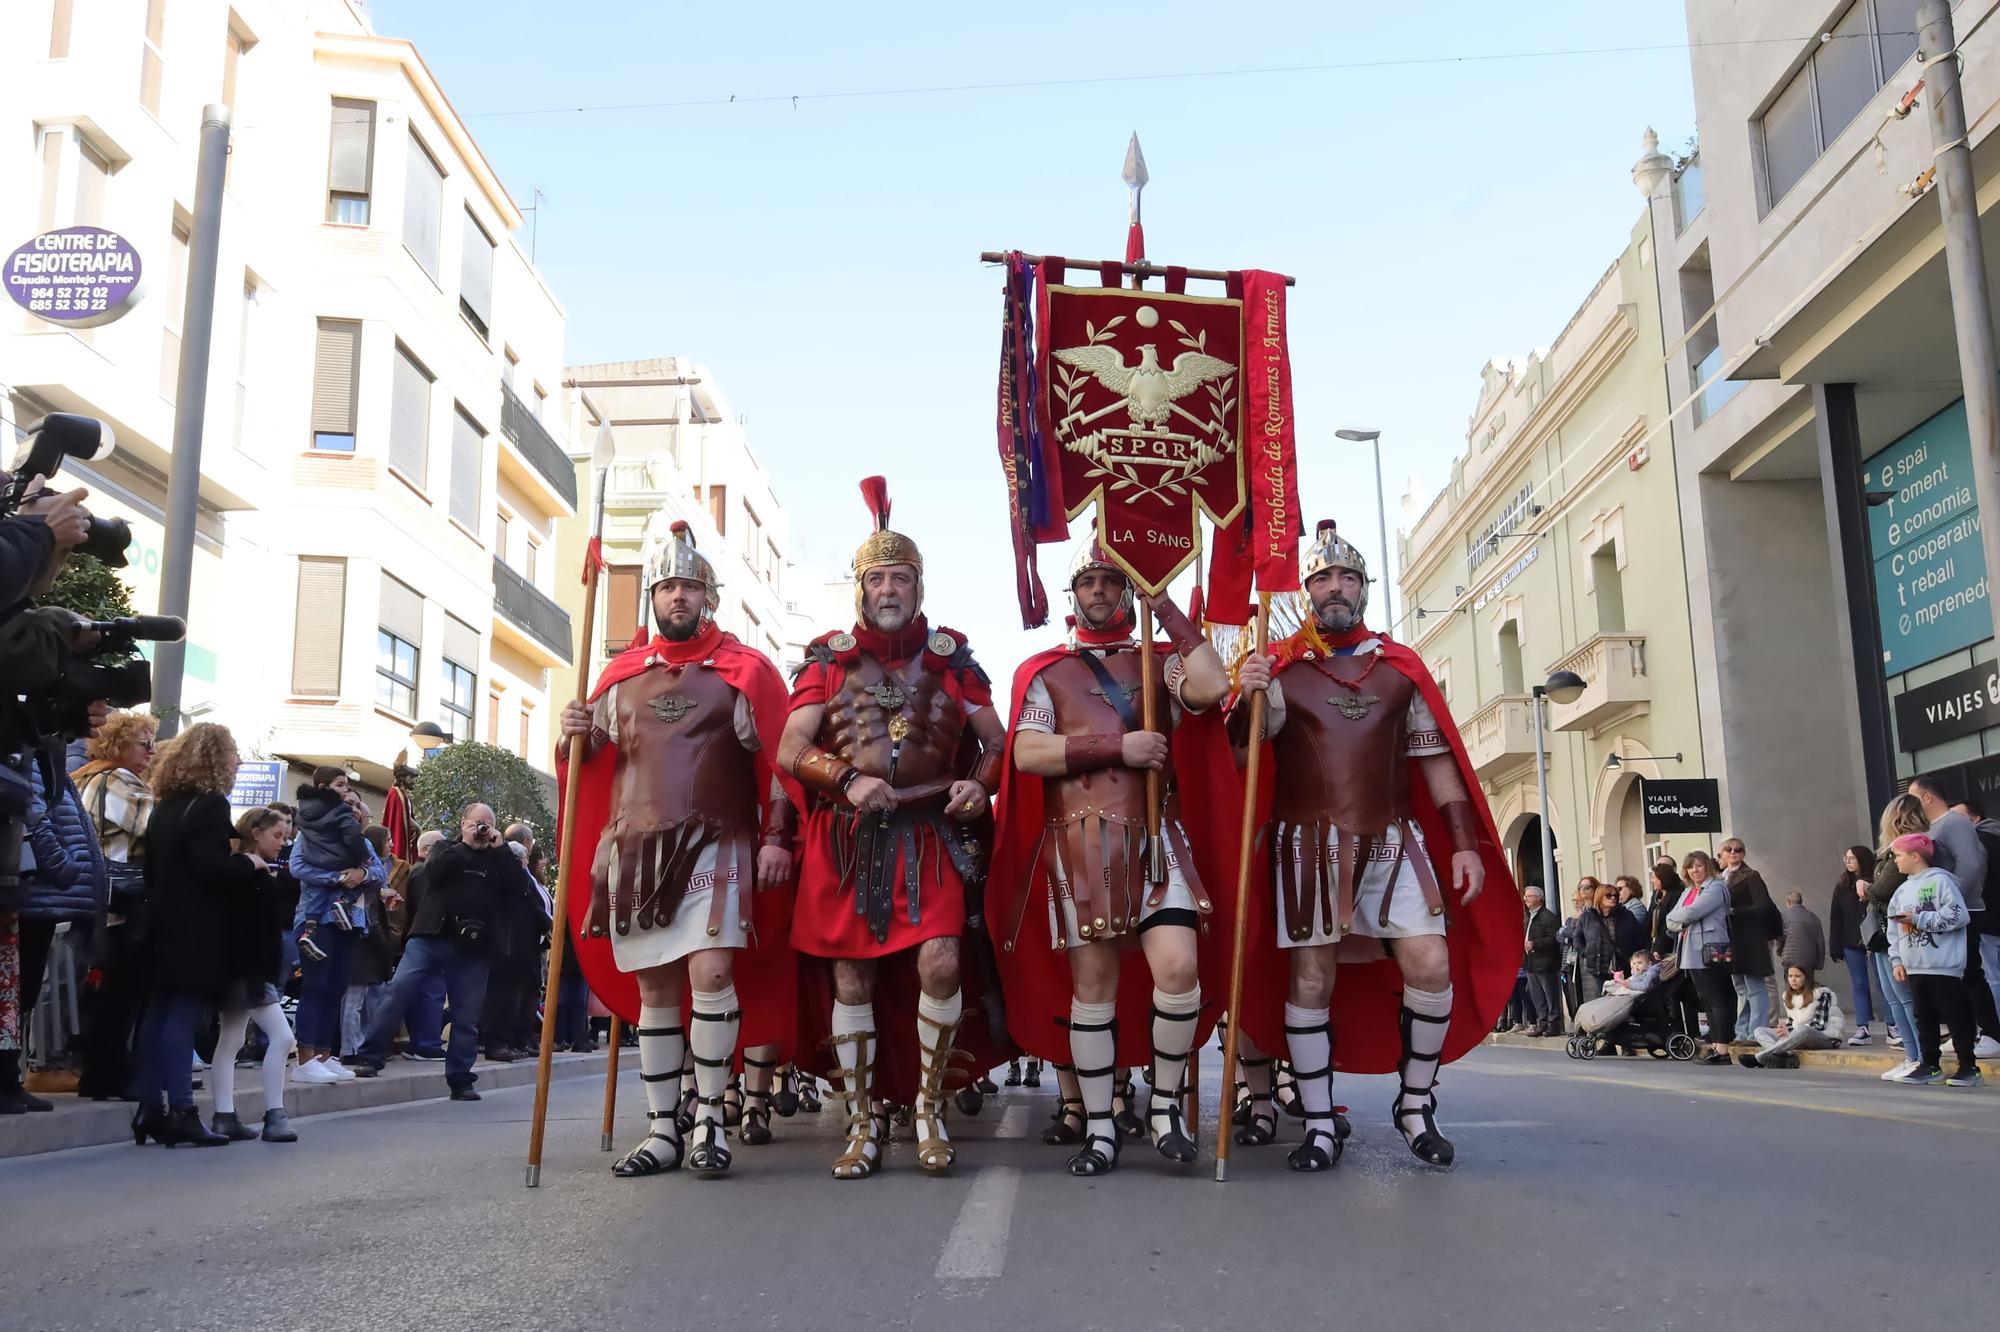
point(1754, 925)
point(195, 884)
point(1843, 934)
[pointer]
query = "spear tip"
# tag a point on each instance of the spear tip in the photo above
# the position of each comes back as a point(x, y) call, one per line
point(1135, 164)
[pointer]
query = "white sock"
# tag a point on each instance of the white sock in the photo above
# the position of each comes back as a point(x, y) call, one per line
point(712, 1044)
point(1094, 1049)
point(662, 1048)
point(1173, 1036)
point(933, 1044)
point(270, 1019)
point(1310, 1041)
point(229, 1031)
point(1423, 1042)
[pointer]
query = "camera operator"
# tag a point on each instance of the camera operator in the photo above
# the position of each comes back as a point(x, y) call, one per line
point(35, 541)
point(466, 890)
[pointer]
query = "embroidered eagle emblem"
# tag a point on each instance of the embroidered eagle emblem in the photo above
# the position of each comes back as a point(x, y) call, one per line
point(670, 708)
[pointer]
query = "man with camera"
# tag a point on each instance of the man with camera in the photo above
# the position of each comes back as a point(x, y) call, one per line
point(457, 903)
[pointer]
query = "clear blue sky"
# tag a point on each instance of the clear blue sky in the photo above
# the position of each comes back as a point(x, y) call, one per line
point(822, 261)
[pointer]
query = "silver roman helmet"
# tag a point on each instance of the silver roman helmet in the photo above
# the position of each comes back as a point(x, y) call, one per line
point(1091, 556)
point(676, 557)
point(1330, 550)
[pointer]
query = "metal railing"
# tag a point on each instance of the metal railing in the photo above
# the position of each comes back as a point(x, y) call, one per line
point(537, 445)
point(527, 606)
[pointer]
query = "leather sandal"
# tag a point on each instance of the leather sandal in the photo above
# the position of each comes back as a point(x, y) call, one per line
point(934, 1150)
point(785, 1102)
point(1170, 1138)
point(1257, 1128)
point(1100, 1152)
point(1427, 1144)
point(1127, 1123)
point(645, 1159)
point(1066, 1125)
point(709, 1153)
point(1320, 1150)
point(862, 1155)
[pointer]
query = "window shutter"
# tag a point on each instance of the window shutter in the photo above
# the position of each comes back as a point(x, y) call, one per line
point(402, 612)
point(621, 606)
point(466, 438)
point(461, 643)
point(410, 418)
point(423, 206)
point(475, 276)
point(352, 159)
point(316, 628)
point(334, 367)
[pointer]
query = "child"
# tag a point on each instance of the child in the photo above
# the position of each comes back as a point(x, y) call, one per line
point(1812, 1021)
point(1644, 975)
point(1927, 920)
point(329, 840)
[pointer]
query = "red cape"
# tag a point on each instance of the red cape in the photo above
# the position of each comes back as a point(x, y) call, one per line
point(1034, 974)
point(766, 974)
point(1484, 938)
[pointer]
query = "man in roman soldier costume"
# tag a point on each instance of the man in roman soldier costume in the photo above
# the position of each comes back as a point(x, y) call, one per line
point(1374, 813)
point(1077, 877)
point(682, 813)
point(880, 733)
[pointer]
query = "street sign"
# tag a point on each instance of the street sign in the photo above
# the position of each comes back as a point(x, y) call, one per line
point(1681, 804)
point(257, 783)
point(1930, 568)
point(1963, 703)
point(78, 277)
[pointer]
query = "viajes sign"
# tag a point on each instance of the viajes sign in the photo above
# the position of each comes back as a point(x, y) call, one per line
point(1930, 568)
point(78, 277)
point(1963, 703)
point(1681, 805)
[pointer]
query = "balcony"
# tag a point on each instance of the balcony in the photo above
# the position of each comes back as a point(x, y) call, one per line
point(1501, 736)
point(539, 461)
point(1613, 667)
point(528, 620)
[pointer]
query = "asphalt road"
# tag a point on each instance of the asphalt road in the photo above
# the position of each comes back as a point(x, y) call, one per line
point(1624, 1194)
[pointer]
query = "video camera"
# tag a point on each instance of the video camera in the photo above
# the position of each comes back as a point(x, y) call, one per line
point(62, 435)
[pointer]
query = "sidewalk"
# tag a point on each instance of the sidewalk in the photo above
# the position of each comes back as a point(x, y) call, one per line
point(1875, 1059)
point(78, 1123)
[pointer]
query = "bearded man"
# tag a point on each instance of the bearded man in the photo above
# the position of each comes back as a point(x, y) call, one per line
point(881, 733)
point(1373, 810)
point(1076, 866)
point(679, 733)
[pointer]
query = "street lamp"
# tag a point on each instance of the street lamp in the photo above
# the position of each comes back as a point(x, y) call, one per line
point(1614, 763)
point(429, 736)
point(1563, 687)
point(1381, 516)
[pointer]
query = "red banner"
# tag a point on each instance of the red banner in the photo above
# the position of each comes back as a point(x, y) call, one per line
point(1274, 526)
point(1141, 391)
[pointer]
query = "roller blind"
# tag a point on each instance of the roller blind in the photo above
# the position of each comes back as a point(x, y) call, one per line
point(352, 159)
point(621, 606)
point(402, 612)
point(322, 606)
point(423, 206)
point(410, 418)
point(461, 643)
point(466, 437)
point(334, 365)
point(475, 276)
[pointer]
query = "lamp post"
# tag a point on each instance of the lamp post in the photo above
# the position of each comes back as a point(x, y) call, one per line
point(1381, 516)
point(1563, 687)
point(429, 736)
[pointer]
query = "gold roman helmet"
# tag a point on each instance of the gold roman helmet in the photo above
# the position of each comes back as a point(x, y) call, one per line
point(1330, 550)
point(884, 547)
point(676, 557)
point(1091, 556)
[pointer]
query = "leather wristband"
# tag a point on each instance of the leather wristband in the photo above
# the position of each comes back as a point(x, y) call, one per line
point(781, 823)
point(1181, 631)
point(823, 772)
point(1087, 753)
point(987, 770)
point(1463, 823)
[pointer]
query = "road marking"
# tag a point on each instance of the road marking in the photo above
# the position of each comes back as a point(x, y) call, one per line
point(977, 1247)
point(1741, 1098)
point(1013, 1124)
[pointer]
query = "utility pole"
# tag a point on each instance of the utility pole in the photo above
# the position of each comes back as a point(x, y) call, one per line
point(190, 410)
point(1965, 269)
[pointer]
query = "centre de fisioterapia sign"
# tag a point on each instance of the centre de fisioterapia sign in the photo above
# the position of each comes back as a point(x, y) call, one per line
point(1930, 569)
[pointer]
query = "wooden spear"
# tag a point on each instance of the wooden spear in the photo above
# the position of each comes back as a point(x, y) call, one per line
point(1258, 703)
point(611, 1083)
point(600, 462)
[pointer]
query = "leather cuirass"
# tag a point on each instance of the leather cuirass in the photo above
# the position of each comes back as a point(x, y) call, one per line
point(679, 755)
point(1081, 708)
point(1342, 755)
point(859, 716)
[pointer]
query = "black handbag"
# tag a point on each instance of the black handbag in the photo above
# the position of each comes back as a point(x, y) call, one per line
point(1719, 957)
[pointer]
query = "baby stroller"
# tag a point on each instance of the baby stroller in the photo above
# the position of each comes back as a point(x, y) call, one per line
point(1649, 1021)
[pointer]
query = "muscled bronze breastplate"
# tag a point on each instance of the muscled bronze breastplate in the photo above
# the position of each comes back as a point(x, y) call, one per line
point(680, 756)
point(1081, 708)
point(875, 702)
point(1342, 753)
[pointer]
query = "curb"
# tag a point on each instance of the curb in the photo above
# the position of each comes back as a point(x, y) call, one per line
point(76, 1123)
point(1872, 1060)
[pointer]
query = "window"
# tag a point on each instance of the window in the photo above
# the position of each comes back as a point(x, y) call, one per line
point(410, 418)
point(1864, 47)
point(153, 61)
point(622, 595)
point(502, 533)
point(475, 277)
point(527, 714)
point(350, 163)
point(175, 311)
point(718, 506)
point(541, 404)
point(771, 566)
point(461, 657)
point(1608, 587)
point(52, 156)
point(316, 627)
point(246, 338)
point(492, 718)
point(466, 441)
point(235, 44)
point(1512, 681)
point(423, 206)
point(400, 628)
point(336, 364)
point(533, 549)
point(59, 22)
